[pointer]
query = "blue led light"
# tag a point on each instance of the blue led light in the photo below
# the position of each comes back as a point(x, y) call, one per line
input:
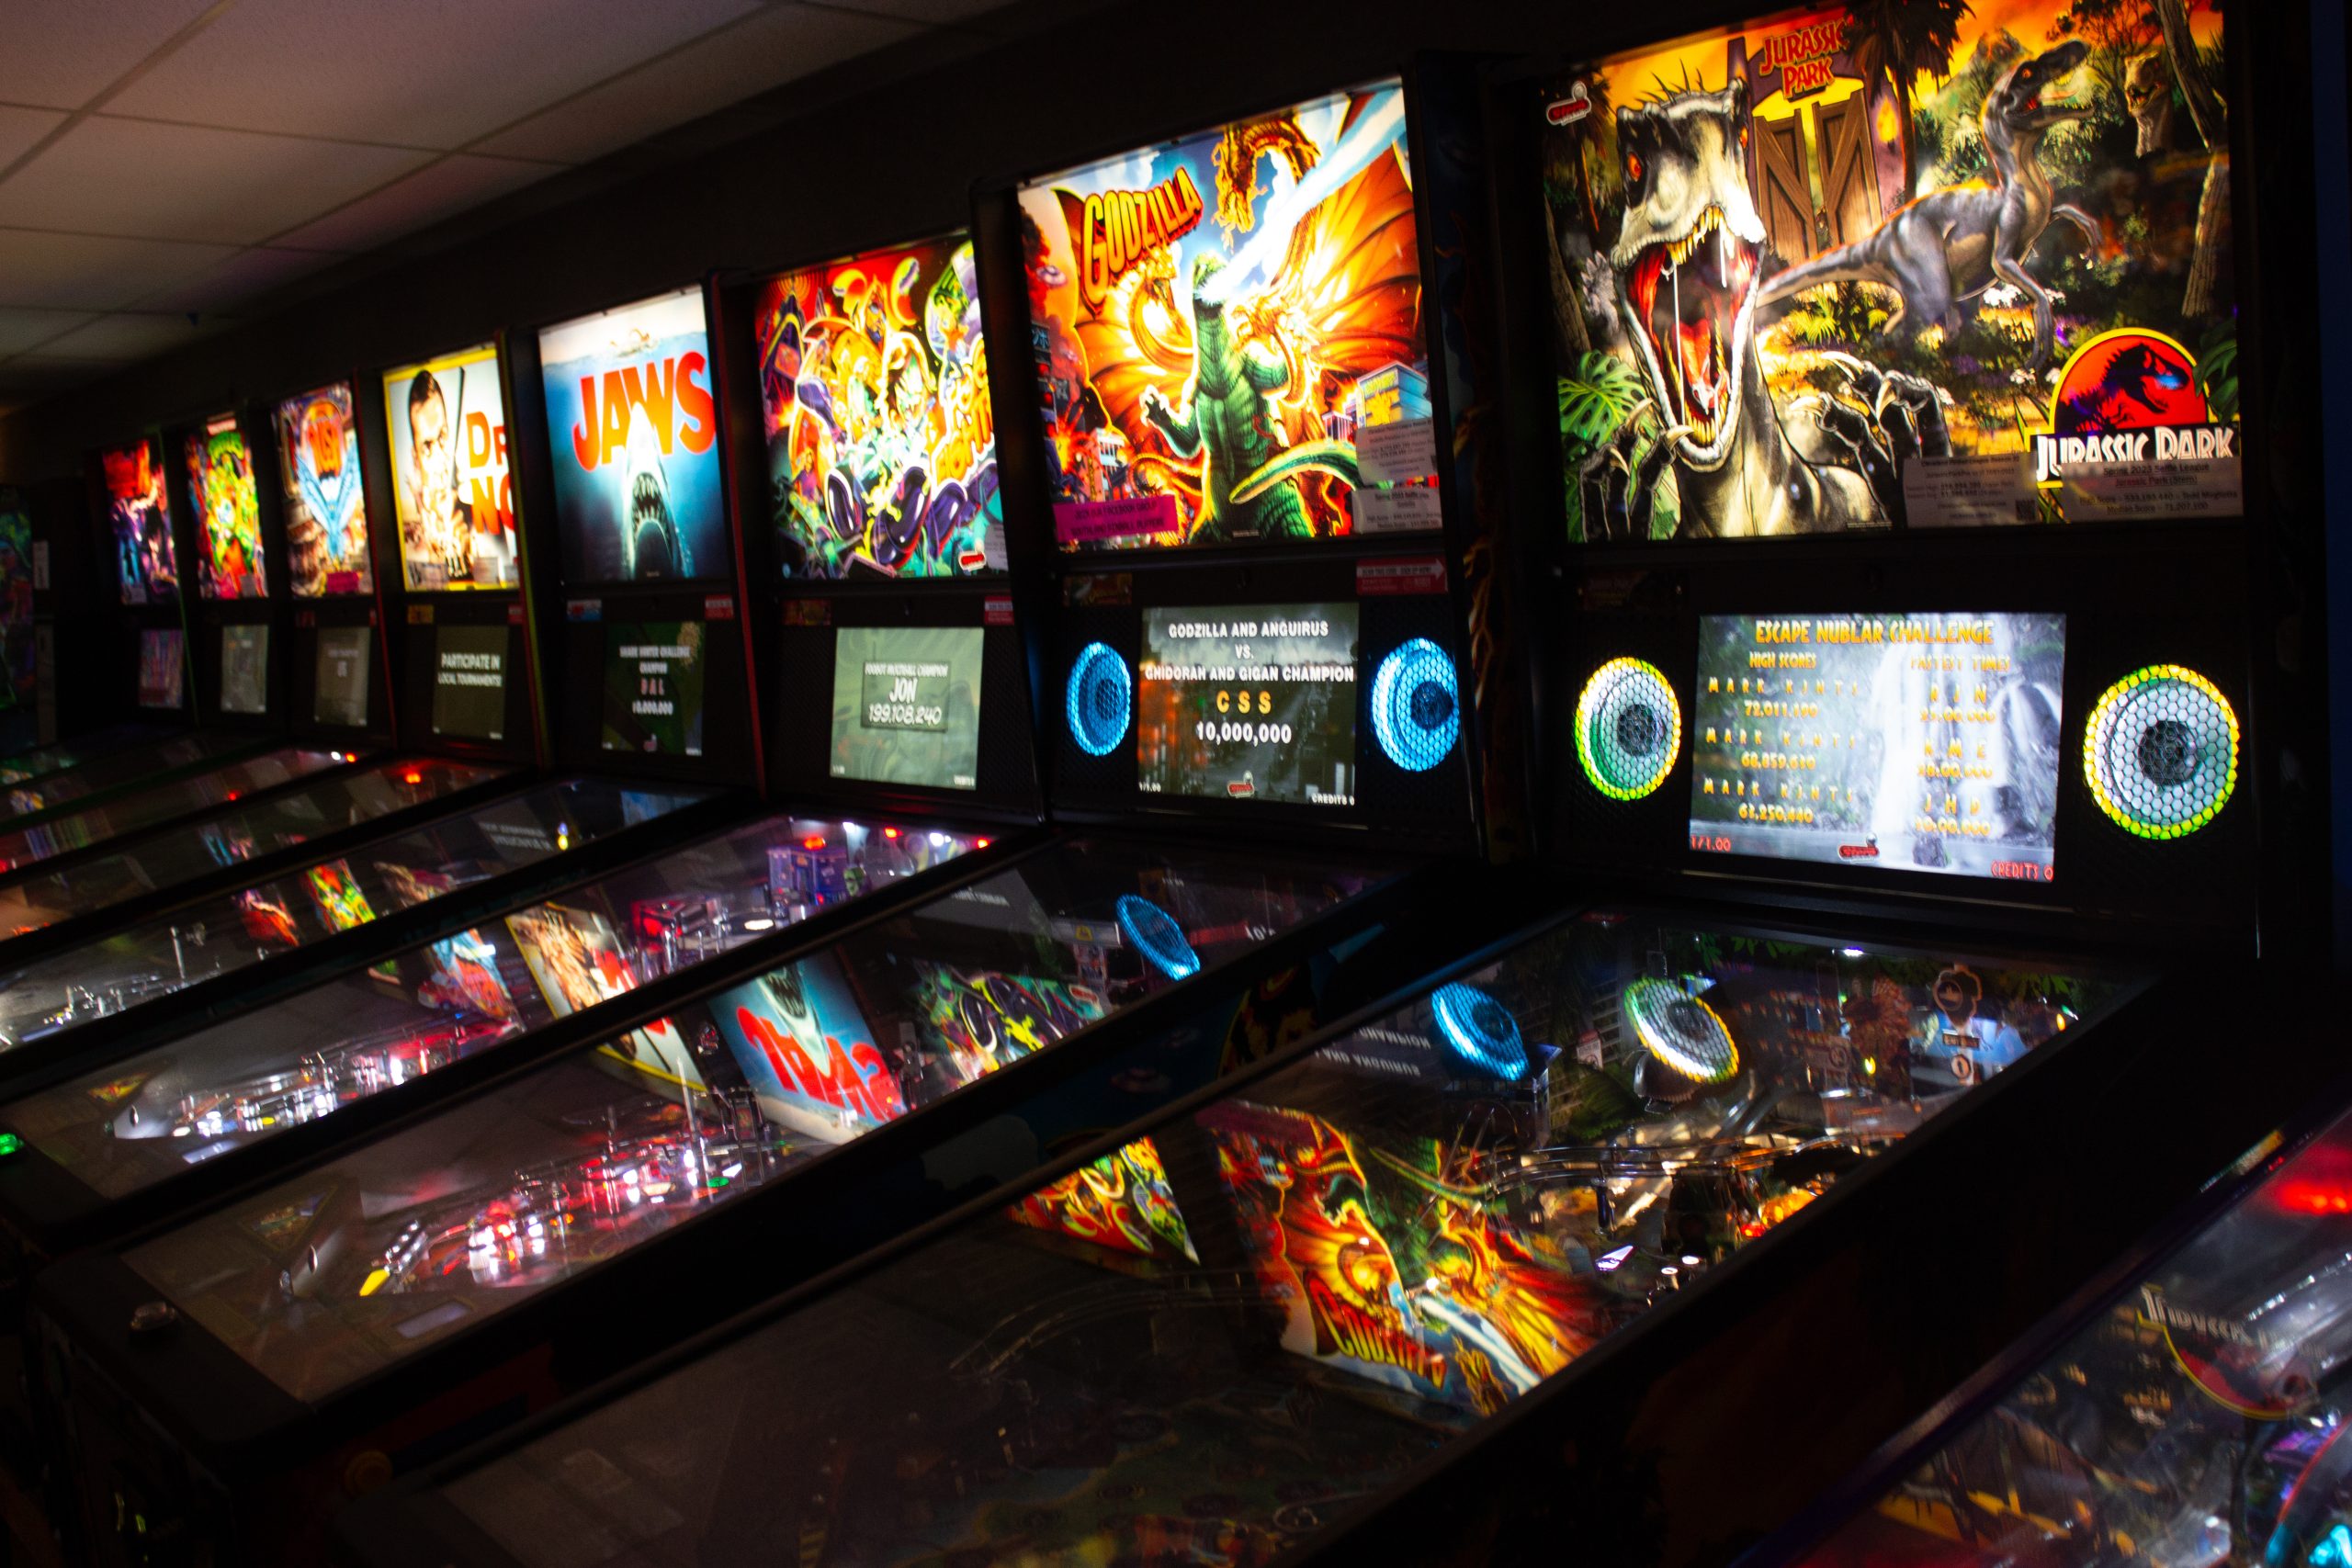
point(1157, 936)
point(1416, 705)
point(1480, 1029)
point(1100, 699)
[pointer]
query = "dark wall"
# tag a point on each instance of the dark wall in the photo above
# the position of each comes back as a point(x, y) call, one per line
point(872, 150)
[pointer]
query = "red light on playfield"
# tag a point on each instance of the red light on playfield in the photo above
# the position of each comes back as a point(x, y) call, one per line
point(813, 842)
point(890, 832)
point(414, 775)
point(979, 843)
point(2316, 1181)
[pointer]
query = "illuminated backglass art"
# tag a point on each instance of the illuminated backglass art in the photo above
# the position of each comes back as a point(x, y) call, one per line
point(1227, 334)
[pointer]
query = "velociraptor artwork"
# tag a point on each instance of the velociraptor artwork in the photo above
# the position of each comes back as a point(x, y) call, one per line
point(1948, 246)
point(1684, 270)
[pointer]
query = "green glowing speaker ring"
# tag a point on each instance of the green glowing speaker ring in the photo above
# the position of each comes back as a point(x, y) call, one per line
point(1681, 1031)
point(2161, 751)
point(1629, 728)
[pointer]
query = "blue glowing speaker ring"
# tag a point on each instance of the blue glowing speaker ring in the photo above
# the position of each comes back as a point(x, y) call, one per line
point(1156, 935)
point(1480, 1030)
point(1099, 700)
point(1416, 705)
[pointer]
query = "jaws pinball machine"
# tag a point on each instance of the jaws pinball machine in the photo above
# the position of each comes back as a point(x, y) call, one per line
point(978, 1029)
point(1906, 775)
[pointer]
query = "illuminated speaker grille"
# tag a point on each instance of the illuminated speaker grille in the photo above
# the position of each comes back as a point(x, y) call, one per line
point(1629, 728)
point(1156, 935)
point(2161, 751)
point(1480, 1030)
point(1681, 1031)
point(1416, 705)
point(1100, 699)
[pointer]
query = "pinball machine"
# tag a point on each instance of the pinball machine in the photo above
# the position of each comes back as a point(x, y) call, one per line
point(1920, 722)
point(1256, 757)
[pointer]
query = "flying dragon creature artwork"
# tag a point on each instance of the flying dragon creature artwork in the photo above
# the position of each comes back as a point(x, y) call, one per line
point(874, 388)
point(1859, 267)
point(326, 511)
point(1218, 321)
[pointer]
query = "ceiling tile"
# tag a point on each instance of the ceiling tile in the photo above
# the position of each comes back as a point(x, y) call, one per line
point(118, 338)
point(115, 176)
point(784, 42)
point(422, 72)
point(437, 191)
point(78, 272)
point(21, 330)
point(19, 129)
point(231, 282)
point(62, 53)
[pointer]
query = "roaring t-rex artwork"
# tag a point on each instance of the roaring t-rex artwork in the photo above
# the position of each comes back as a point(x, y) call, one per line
point(1685, 270)
point(1945, 249)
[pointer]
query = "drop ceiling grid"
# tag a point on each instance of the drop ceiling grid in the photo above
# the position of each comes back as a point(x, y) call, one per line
point(163, 160)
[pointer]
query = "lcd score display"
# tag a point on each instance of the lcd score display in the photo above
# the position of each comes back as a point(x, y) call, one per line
point(470, 681)
point(1808, 275)
point(1248, 702)
point(326, 512)
point(339, 695)
point(653, 687)
point(451, 490)
point(1911, 743)
point(633, 431)
point(907, 706)
point(244, 669)
point(162, 658)
point(1227, 334)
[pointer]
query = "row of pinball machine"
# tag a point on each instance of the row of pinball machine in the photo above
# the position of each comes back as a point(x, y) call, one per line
point(1562, 817)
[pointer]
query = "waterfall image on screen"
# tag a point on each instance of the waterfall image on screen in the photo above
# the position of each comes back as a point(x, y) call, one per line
point(1904, 743)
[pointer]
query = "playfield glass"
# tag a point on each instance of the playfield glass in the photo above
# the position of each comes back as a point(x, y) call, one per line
point(395, 1245)
point(272, 917)
point(2198, 1418)
point(153, 807)
point(1240, 1325)
point(232, 834)
point(134, 1123)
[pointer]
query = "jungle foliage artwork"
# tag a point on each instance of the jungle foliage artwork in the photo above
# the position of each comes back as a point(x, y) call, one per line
point(1895, 264)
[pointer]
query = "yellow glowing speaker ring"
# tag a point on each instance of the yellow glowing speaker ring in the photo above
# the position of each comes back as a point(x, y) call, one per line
point(2103, 767)
point(1614, 775)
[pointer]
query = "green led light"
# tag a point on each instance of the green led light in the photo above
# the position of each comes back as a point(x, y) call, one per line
point(2161, 751)
point(1629, 728)
point(9, 1144)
